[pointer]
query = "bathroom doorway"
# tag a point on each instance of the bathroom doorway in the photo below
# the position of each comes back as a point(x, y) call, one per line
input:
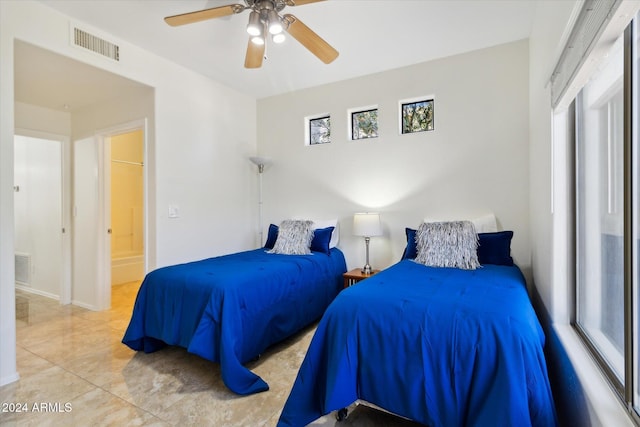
point(127, 207)
point(109, 212)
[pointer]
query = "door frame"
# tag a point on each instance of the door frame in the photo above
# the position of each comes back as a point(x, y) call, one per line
point(65, 226)
point(104, 256)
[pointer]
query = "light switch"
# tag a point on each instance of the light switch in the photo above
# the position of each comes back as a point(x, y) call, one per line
point(174, 211)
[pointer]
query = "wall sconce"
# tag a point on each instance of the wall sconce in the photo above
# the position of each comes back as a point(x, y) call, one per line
point(367, 225)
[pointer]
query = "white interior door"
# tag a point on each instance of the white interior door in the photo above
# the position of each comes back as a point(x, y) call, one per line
point(38, 204)
point(91, 268)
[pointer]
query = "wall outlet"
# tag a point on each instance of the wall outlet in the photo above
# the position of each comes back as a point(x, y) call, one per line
point(174, 211)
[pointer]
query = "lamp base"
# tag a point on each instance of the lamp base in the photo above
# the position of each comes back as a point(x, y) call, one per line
point(366, 269)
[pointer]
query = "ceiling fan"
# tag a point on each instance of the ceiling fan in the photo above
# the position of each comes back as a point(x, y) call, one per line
point(265, 18)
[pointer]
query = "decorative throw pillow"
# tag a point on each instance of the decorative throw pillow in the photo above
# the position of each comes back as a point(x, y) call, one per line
point(324, 223)
point(495, 248)
point(448, 244)
point(272, 235)
point(411, 250)
point(321, 240)
point(294, 238)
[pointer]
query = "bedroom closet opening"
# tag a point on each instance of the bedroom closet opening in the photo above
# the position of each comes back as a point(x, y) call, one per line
point(127, 207)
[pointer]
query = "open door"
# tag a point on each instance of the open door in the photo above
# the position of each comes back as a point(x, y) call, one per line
point(91, 245)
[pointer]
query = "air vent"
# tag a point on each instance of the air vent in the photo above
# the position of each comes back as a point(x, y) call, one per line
point(95, 44)
point(23, 269)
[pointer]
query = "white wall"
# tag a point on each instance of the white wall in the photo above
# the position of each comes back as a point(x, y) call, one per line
point(8, 372)
point(203, 135)
point(552, 21)
point(475, 161)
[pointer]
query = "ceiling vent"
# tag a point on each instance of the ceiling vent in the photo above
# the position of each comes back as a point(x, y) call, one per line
point(86, 40)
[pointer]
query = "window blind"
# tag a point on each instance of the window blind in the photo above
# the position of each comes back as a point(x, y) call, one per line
point(587, 31)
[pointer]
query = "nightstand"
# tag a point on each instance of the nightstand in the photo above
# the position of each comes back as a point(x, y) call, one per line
point(354, 276)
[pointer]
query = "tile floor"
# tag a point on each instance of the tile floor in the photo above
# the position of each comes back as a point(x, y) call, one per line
point(71, 361)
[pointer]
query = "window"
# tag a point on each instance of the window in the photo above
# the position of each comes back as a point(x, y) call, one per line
point(416, 115)
point(599, 210)
point(319, 130)
point(607, 217)
point(364, 124)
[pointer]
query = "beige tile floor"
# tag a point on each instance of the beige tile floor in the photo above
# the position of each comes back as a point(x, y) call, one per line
point(71, 361)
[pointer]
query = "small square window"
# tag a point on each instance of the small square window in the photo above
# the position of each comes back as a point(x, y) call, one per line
point(319, 130)
point(364, 124)
point(416, 116)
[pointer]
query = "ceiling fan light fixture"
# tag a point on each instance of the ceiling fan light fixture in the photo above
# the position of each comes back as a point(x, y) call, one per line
point(254, 27)
point(259, 40)
point(275, 26)
point(278, 38)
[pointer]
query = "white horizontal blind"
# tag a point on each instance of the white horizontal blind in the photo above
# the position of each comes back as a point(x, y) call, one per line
point(589, 25)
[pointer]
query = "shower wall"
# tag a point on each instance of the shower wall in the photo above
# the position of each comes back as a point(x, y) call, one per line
point(127, 210)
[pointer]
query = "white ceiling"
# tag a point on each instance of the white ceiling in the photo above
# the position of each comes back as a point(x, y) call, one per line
point(371, 36)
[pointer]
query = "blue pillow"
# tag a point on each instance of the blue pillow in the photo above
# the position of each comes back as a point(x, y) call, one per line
point(321, 240)
point(411, 250)
point(272, 236)
point(495, 248)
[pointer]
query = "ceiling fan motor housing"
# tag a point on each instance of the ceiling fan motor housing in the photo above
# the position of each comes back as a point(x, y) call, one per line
point(266, 5)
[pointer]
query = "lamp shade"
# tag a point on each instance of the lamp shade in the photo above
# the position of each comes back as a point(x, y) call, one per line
point(260, 161)
point(367, 224)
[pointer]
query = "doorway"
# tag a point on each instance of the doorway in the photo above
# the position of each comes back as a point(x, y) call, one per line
point(109, 211)
point(42, 256)
point(127, 207)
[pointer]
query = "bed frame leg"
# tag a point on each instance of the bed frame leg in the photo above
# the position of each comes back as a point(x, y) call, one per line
point(341, 415)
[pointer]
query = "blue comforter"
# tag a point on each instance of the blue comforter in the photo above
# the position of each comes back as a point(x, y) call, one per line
point(441, 346)
point(230, 308)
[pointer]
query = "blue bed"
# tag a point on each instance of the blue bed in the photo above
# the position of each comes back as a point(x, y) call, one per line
point(440, 346)
point(229, 309)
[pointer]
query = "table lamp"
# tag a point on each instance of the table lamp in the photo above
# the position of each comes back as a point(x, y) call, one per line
point(367, 225)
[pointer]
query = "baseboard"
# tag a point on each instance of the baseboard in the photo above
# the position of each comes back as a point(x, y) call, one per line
point(8, 379)
point(85, 305)
point(37, 292)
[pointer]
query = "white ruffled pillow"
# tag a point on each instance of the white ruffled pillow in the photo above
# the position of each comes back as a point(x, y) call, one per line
point(448, 244)
point(294, 237)
point(483, 224)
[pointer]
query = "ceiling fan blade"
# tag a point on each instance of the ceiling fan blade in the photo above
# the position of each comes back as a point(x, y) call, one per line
point(203, 15)
point(316, 44)
point(301, 2)
point(255, 54)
